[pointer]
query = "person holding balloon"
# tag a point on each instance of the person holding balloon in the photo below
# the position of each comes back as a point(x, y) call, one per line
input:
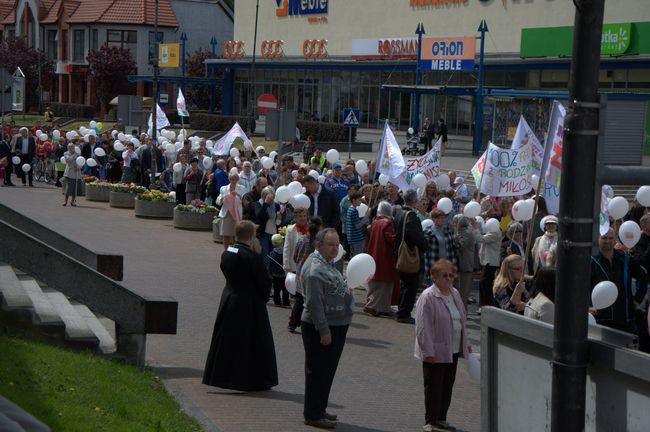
point(615, 304)
point(72, 176)
point(24, 146)
point(440, 339)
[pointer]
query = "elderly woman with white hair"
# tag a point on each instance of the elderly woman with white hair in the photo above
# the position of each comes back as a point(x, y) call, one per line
point(544, 248)
point(72, 175)
point(230, 200)
point(381, 248)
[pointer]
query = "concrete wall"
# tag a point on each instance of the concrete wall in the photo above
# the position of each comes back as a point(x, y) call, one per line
point(201, 20)
point(358, 19)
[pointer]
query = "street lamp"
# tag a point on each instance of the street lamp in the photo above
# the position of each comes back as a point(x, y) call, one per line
point(154, 103)
point(251, 97)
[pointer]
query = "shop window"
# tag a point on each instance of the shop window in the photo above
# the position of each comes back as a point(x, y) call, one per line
point(78, 46)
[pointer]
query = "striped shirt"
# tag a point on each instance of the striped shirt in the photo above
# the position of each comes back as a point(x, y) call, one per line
point(354, 226)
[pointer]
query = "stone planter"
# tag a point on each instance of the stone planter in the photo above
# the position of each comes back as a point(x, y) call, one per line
point(121, 200)
point(193, 221)
point(100, 194)
point(154, 209)
point(216, 231)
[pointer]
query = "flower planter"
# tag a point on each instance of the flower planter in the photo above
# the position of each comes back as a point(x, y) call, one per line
point(216, 231)
point(154, 209)
point(97, 193)
point(193, 221)
point(121, 200)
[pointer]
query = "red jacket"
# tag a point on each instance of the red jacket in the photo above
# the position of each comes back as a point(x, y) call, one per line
point(381, 248)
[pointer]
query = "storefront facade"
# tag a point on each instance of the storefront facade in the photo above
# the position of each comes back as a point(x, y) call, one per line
point(318, 57)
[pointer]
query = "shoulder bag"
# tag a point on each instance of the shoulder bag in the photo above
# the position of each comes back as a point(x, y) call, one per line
point(408, 258)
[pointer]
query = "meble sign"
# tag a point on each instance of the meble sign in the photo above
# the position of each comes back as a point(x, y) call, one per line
point(451, 53)
point(301, 7)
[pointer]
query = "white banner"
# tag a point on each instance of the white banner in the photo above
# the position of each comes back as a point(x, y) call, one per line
point(523, 136)
point(222, 147)
point(180, 104)
point(507, 172)
point(390, 160)
point(428, 164)
point(552, 164)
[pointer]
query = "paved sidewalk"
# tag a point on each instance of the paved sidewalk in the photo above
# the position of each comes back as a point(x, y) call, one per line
point(378, 386)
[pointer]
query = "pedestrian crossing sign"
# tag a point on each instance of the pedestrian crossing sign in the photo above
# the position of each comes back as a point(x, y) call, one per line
point(351, 117)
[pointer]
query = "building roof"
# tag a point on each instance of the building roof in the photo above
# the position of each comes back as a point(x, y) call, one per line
point(135, 12)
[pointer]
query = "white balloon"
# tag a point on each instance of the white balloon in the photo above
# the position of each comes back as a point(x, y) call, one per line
point(234, 152)
point(604, 294)
point(480, 221)
point(86, 138)
point(136, 142)
point(121, 136)
point(15, 160)
point(294, 173)
point(362, 210)
point(114, 133)
point(207, 163)
point(361, 166)
point(91, 162)
point(332, 156)
point(282, 195)
point(643, 196)
point(419, 180)
point(69, 136)
point(341, 253)
point(93, 124)
point(99, 152)
point(38, 132)
point(56, 134)
point(360, 269)
point(383, 179)
point(43, 137)
point(410, 131)
point(237, 160)
point(178, 167)
point(26, 167)
point(62, 160)
point(618, 207)
point(300, 201)
point(181, 138)
point(427, 223)
point(290, 283)
point(267, 162)
point(445, 205)
point(233, 170)
point(590, 319)
point(273, 154)
point(77, 149)
point(118, 146)
point(170, 148)
point(81, 161)
point(295, 188)
point(92, 132)
point(520, 211)
point(492, 225)
point(474, 367)
point(178, 146)
point(171, 135)
point(534, 179)
point(443, 181)
point(314, 174)
point(472, 209)
point(321, 179)
point(629, 233)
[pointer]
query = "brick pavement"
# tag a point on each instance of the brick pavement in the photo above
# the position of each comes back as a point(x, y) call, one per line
point(377, 387)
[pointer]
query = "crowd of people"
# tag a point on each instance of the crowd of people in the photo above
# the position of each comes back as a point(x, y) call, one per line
point(418, 248)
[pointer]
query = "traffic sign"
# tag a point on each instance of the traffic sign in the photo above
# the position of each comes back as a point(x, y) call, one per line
point(265, 102)
point(351, 117)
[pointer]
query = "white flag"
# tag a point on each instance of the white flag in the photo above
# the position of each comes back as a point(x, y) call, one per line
point(161, 120)
point(525, 135)
point(390, 160)
point(180, 104)
point(222, 146)
point(552, 163)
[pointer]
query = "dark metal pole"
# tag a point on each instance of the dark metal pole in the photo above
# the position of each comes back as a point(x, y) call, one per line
point(415, 121)
point(183, 42)
point(251, 94)
point(210, 72)
point(478, 115)
point(570, 349)
point(154, 104)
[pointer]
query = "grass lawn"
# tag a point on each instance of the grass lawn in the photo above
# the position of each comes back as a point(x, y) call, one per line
point(26, 120)
point(76, 391)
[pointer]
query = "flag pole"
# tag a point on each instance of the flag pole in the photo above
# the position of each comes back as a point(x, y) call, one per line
point(529, 237)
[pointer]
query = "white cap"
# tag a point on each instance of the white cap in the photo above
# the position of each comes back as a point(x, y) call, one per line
point(260, 148)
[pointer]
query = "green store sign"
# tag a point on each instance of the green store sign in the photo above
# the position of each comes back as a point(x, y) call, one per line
point(617, 39)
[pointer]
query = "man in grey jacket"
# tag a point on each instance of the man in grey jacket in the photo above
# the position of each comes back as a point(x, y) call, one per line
point(325, 321)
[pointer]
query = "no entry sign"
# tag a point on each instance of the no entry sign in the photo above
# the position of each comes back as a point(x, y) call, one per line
point(265, 102)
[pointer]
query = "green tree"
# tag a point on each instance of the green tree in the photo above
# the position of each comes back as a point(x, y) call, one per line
point(109, 68)
point(198, 96)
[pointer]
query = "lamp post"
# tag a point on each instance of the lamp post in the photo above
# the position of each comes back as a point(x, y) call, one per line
point(183, 40)
point(418, 78)
point(478, 116)
point(251, 96)
point(210, 71)
point(154, 103)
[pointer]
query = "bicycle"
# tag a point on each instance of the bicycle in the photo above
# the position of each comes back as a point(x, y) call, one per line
point(39, 168)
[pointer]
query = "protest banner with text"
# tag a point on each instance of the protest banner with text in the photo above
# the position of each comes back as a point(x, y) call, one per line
point(507, 171)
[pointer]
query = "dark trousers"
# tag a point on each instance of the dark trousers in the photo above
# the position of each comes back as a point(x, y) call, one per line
point(296, 310)
point(180, 193)
point(409, 284)
point(486, 295)
point(8, 170)
point(438, 384)
point(320, 367)
point(25, 159)
point(279, 289)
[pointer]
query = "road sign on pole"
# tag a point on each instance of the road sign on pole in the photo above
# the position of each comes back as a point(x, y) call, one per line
point(265, 102)
point(350, 120)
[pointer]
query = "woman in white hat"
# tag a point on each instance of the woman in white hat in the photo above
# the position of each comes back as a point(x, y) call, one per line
point(545, 245)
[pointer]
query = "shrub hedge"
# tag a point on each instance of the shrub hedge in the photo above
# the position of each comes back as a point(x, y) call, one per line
point(72, 110)
point(327, 132)
point(217, 122)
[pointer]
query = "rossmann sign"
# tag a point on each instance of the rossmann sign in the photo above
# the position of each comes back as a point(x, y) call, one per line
point(301, 7)
point(385, 48)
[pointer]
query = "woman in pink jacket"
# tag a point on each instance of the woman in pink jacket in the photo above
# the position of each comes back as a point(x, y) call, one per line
point(440, 338)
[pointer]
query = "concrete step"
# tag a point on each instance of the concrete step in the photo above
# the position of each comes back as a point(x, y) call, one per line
point(106, 341)
point(12, 291)
point(76, 328)
point(44, 311)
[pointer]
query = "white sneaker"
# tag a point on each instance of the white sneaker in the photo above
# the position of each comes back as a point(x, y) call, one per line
point(428, 428)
